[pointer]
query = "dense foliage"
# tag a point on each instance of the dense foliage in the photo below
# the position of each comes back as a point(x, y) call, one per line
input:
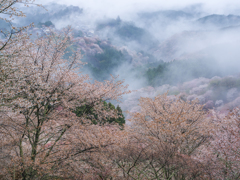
point(103, 64)
point(127, 32)
point(88, 111)
point(179, 71)
point(130, 32)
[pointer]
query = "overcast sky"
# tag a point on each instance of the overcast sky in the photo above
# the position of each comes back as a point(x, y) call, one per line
point(126, 6)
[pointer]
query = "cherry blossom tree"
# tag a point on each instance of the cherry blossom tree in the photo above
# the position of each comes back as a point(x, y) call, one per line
point(168, 136)
point(225, 146)
point(42, 136)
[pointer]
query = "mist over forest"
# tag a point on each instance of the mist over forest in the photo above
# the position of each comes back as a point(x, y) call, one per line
point(119, 89)
point(150, 48)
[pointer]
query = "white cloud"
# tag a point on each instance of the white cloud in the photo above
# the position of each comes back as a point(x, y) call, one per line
point(116, 7)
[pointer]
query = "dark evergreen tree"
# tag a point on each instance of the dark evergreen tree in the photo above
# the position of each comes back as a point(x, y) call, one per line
point(89, 112)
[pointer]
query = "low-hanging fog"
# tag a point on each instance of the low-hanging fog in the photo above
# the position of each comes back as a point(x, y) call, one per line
point(188, 49)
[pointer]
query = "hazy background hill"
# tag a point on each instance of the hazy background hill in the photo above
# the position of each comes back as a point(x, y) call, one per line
point(148, 47)
point(219, 21)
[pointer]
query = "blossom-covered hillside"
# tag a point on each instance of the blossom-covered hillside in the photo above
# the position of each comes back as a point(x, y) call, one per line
point(221, 94)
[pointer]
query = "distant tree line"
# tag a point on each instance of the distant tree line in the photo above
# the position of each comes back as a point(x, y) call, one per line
point(46, 24)
point(179, 71)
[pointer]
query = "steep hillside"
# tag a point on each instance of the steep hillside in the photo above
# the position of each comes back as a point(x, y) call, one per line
point(218, 93)
point(219, 21)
